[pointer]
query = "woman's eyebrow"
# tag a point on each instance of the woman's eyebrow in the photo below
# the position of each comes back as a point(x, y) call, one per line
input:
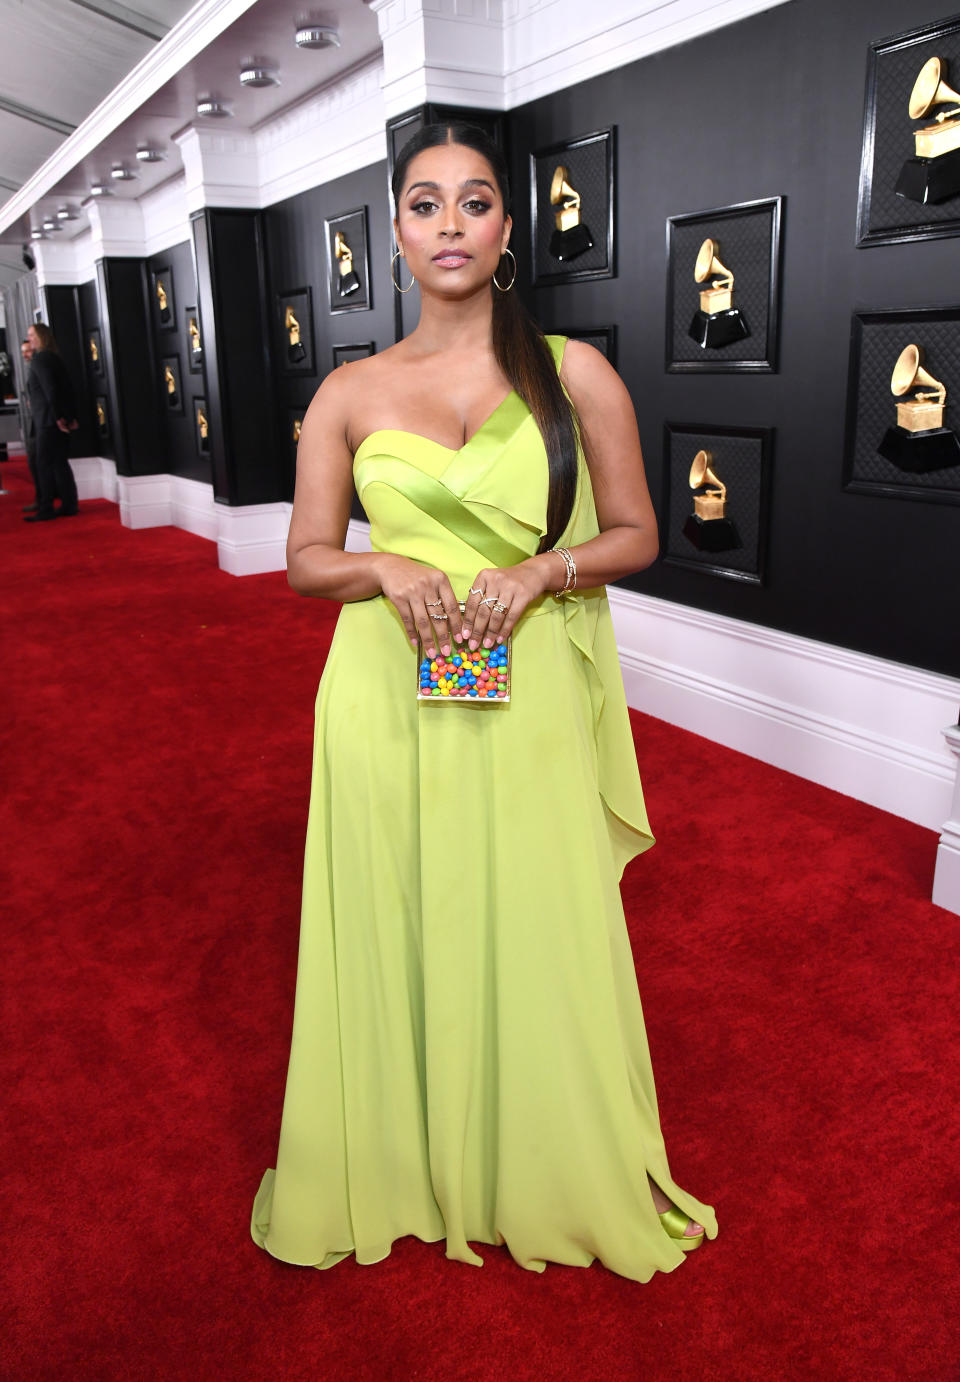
point(435, 186)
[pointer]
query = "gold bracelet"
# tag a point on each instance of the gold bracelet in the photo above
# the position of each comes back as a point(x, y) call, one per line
point(571, 568)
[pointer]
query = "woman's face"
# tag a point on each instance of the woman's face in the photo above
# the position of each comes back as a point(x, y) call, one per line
point(450, 220)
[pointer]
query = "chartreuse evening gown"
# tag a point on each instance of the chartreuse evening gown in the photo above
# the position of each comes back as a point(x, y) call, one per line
point(469, 1060)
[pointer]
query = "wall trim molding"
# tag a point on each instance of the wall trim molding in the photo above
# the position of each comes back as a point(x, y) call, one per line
point(946, 878)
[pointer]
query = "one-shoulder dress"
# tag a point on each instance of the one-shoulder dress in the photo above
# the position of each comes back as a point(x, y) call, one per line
point(468, 1059)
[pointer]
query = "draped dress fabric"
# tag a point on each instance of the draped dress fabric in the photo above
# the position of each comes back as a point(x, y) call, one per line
point(469, 1059)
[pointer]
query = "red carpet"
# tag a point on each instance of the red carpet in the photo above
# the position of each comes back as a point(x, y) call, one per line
point(800, 992)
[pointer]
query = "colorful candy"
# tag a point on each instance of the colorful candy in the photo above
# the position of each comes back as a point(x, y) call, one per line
point(480, 675)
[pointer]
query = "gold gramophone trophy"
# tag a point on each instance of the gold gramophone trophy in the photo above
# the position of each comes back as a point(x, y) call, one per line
point(297, 428)
point(101, 418)
point(196, 343)
point(716, 322)
point(163, 302)
point(203, 429)
point(919, 442)
point(170, 381)
point(347, 281)
point(708, 527)
point(933, 175)
point(570, 237)
point(295, 347)
point(94, 350)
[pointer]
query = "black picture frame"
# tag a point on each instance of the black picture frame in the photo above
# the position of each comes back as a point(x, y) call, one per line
point(893, 64)
point(161, 289)
point(291, 359)
point(876, 340)
point(101, 413)
point(172, 397)
point(602, 338)
point(194, 357)
point(753, 233)
point(591, 159)
point(352, 225)
point(360, 350)
point(742, 460)
point(94, 349)
point(202, 443)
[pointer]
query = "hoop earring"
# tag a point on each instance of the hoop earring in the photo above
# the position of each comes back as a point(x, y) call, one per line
point(513, 280)
point(393, 261)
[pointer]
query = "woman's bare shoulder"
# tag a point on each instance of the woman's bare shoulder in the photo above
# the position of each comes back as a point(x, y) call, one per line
point(586, 372)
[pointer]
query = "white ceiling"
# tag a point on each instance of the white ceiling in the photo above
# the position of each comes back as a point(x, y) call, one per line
point(60, 59)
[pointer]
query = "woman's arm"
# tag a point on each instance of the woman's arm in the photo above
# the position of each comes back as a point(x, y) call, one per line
point(628, 538)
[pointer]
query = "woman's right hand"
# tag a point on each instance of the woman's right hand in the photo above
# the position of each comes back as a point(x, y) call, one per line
point(418, 593)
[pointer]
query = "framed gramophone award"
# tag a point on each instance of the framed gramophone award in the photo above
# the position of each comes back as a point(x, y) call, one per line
point(161, 293)
point(572, 209)
point(201, 427)
point(715, 499)
point(723, 289)
point(910, 159)
point(191, 321)
point(94, 345)
point(348, 267)
point(903, 405)
point(171, 384)
point(344, 354)
point(294, 332)
point(101, 410)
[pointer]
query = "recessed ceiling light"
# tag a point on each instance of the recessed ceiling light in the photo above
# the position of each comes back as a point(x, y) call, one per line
point(51, 225)
point(146, 154)
point(210, 106)
point(37, 235)
point(67, 213)
point(317, 36)
point(122, 173)
point(100, 189)
point(256, 75)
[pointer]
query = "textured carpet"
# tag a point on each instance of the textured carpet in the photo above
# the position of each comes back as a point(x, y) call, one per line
point(800, 993)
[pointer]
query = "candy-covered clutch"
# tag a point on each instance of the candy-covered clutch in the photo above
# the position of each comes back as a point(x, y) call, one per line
point(466, 677)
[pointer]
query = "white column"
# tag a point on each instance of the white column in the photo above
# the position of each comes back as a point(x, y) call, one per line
point(116, 225)
point(221, 168)
point(448, 51)
point(946, 878)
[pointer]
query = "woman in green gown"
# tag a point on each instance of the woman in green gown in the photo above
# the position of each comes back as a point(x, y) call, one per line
point(469, 1060)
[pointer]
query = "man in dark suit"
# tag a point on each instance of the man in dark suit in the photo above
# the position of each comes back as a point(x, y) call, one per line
point(29, 431)
point(54, 411)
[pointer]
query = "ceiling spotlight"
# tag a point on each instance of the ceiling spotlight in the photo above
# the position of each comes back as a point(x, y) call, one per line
point(100, 189)
point(37, 235)
point(122, 173)
point(145, 154)
point(253, 74)
point(51, 225)
point(210, 106)
point(67, 213)
point(317, 36)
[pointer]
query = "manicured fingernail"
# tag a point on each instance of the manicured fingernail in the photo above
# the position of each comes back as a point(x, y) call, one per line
point(466, 631)
point(445, 649)
point(473, 643)
point(499, 637)
point(458, 637)
point(488, 642)
point(431, 652)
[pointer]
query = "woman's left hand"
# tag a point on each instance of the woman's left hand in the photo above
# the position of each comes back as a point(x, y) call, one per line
point(498, 597)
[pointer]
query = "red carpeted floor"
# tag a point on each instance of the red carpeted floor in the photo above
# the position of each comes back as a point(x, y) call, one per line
point(800, 993)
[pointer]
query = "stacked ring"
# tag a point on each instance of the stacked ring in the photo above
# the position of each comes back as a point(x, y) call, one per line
point(498, 608)
point(439, 618)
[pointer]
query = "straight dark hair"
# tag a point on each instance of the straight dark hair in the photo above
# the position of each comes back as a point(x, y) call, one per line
point(519, 346)
point(45, 336)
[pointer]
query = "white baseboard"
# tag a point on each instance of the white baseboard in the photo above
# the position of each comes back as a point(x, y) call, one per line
point(946, 879)
point(859, 724)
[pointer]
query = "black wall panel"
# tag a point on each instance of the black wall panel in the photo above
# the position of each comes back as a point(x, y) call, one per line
point(296, 257)
point(131, 368)
point(771, 105)
point(177, 428)
point(62, 306)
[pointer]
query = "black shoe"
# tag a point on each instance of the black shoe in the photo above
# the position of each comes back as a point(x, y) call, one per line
point(29, 508)
point(40, 516)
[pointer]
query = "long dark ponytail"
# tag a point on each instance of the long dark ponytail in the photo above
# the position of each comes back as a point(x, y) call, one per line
point(519, 346)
